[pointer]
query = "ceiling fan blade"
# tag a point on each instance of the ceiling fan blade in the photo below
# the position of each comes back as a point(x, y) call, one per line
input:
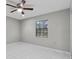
point(22, 12)
point(23, 1)
point(11, 5)
point(28, 8)
point(13, 11)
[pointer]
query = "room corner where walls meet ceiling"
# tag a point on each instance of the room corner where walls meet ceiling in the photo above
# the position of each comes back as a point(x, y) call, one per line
point(40, 7)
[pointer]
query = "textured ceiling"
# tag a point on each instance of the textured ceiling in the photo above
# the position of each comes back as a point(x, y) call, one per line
point(40, 7)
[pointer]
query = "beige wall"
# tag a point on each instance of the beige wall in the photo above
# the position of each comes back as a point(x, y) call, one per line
point(12, 30)
point(58, 30)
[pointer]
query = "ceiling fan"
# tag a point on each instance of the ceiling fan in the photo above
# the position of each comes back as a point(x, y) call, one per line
point(19, 7)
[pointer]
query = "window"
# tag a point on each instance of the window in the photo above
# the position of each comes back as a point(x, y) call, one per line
point(42, 28)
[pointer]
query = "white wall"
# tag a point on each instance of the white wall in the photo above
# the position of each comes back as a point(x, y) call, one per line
point(12, 30)
point(58, 30)
point(71, 29)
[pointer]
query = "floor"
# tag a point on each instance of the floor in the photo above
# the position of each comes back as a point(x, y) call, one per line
point(21, 50)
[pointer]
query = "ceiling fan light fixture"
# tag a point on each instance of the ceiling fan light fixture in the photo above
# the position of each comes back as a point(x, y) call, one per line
point(21, 5)
point(19, 9)
point(23, 15)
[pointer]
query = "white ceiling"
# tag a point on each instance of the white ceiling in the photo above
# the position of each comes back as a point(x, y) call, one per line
point(40, 7)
